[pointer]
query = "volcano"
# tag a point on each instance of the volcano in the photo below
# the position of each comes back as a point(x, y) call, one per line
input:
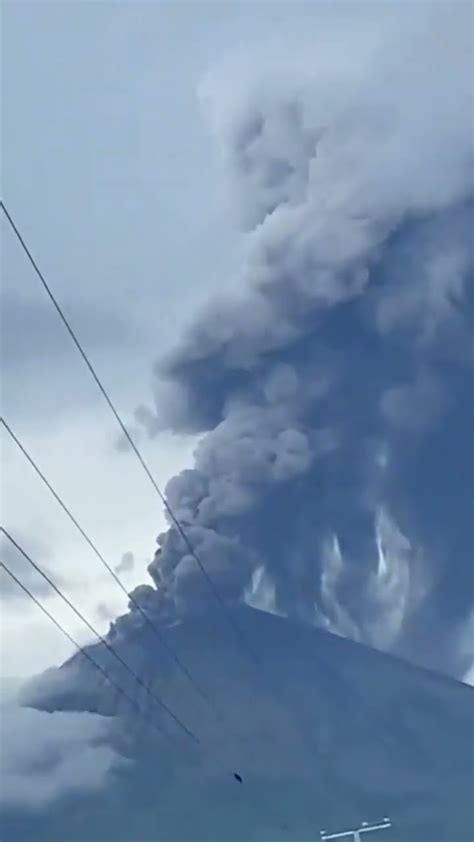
point(321, 731)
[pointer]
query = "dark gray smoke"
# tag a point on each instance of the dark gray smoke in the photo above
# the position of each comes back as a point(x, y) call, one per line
point(126, 563)
point(334, 478)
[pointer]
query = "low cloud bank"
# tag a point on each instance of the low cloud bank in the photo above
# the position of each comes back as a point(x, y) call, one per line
point(46, 756)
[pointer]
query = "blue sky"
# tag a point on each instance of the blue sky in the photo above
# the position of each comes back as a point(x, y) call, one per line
point(115, 120)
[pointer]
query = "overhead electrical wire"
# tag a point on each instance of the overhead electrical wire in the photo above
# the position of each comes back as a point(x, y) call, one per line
point(33, 464)
point(112, 572)
point(208, 578)
point(257, 663)
point(97, 666)
point(80, 649)
point(154, 696)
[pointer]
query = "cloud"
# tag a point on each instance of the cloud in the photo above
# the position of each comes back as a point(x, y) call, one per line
point(335, 459)
point(47, 756)
point(30, 329)
point(23, 570)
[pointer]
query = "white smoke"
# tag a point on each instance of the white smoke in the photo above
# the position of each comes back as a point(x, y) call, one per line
point(390, 593)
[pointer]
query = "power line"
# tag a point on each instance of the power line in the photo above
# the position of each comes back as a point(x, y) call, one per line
point(77, 646)
point(236, 776)
point(209, 580)
point(91, 660)
point(105, 642)
point(82, 651)
point(101, 558)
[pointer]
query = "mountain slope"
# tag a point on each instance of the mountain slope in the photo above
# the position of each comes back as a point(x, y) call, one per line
point(324, 732)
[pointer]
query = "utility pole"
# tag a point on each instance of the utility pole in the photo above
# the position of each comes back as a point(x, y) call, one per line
point(356, 833)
